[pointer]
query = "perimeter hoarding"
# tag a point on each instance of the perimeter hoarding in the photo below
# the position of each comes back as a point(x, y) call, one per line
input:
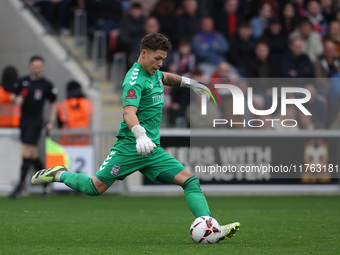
point(240, 157)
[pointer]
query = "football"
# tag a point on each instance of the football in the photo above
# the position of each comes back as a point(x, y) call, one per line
point(205, 230)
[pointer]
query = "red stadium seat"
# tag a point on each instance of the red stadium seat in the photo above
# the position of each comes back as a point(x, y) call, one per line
point(113, 37)
point(119, 60)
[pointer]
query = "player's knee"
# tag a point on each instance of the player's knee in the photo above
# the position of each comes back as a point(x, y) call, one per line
point(192, 183)
point(99, 185)
point(92, 190)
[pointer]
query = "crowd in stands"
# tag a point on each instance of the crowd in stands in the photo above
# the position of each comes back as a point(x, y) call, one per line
point(229, 40)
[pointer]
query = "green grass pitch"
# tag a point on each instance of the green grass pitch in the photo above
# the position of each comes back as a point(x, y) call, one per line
point(78, 224)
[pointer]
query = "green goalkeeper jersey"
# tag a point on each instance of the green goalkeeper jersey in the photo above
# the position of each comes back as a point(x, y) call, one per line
point(146, 92)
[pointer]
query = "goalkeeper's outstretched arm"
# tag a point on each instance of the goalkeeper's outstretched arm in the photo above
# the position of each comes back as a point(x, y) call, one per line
point(175, 80)
point(172, 80)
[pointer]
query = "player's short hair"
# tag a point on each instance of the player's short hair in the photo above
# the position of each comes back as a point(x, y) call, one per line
point(184, 41)
point(155, 41)
point(36, 57)
point(244, 24)
point(304, 21)
point(136, 5)
point(262, 42)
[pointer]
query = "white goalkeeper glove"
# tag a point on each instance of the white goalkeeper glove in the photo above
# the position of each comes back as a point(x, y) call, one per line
point(144, 145)
point(199, 88)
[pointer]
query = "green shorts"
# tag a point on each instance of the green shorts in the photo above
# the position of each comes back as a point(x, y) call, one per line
point(121, 163)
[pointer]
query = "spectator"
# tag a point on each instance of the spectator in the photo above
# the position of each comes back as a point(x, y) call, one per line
point(183, 63)
point(209, 46)
point(263, 65)
point(288, 18)
point(193, 111)
point(329, 11)
point(59, 8)
point(316, 18)
point(188, 22)
point(296, 64)
point(183, 60)
point(9, 77)
point(274, 4)
point(276, 40)
point(176, 113)
point(311, 42)
point(75, 114)
point(9, 112)
point(328, 63)
point(225, 74)
point(291, 113)
point(300, 9)
point(164, 12)
point(147, 6)
point(249, 8)
point(333, 34)
point(260, 23)
point(103, 14)
point(305, 121)
point(317, 107)
point(151, 25)
point(241, 121)
point(243, 46)
point(131, 30)
point(32, 91)
point(328, 68)
point(228, 19)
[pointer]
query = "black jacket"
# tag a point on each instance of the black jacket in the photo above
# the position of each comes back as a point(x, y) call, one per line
point(301, 64)
point(241, 51)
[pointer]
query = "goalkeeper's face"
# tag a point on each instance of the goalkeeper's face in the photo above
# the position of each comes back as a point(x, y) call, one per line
point(152, 60)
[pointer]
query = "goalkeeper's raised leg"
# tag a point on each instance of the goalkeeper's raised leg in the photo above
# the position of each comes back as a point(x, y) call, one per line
point(77, 181)
point(48, 175)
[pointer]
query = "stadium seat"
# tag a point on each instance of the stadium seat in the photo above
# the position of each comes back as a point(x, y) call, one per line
point(113, 37)
point(119, 60)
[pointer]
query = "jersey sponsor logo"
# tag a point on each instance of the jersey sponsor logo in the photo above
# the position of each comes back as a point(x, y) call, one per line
point(160, 81)
point(131, 94)
point(38, 94)
point(158, 98)
point(115, 170)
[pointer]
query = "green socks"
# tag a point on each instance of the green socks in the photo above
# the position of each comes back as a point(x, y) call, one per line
point(193, 193)
point(79, 182)
point(194, 197)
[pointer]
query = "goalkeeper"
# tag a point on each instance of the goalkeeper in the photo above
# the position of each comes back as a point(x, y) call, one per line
point(138, 140)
